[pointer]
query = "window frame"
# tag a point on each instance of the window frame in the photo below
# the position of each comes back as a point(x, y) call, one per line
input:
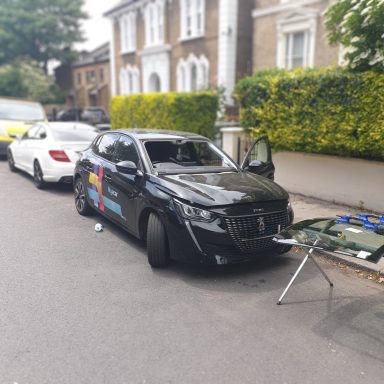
point(95, 147)
point(139, 163)
point(297, 21)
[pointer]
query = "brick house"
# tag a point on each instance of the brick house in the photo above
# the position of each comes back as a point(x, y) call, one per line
point(180, 45)
point(295, 35)
point(91, 79)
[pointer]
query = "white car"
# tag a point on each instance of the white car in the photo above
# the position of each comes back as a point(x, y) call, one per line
point(49, 151)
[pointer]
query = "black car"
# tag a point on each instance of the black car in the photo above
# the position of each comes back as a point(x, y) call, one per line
point(91, 115)
point(183, 196)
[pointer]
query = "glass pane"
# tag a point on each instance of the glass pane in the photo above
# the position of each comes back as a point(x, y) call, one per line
point(126, 151)
point(352, 238)
point(298, 44)
point(106, 146)
point(298, 49)
point(75, 132)
point(193, 78)
point(260, 151)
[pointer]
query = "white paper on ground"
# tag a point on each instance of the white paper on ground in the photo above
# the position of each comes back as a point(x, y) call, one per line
point(363, 254)
point(354, 230)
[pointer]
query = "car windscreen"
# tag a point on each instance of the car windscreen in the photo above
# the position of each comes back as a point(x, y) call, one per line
point(74, 133)
point(175, 156)
point(12, 110)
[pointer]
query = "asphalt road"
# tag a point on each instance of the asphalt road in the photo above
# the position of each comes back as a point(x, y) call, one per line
point(83, 307)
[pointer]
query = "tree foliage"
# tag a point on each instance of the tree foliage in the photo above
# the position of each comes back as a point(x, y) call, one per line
point(43, 30)
point(28, 81)
point(358, 26)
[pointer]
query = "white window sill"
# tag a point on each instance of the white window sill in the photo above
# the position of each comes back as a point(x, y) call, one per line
point(128, 51)
point(189, 38)
point(152, 49)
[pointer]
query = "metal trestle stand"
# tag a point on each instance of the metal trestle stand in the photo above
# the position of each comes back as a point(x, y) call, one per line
point(307, 257)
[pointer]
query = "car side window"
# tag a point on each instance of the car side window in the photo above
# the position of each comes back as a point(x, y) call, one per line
point(106, 146)
point(41, 134)
point(125, 150)
point(31, 134)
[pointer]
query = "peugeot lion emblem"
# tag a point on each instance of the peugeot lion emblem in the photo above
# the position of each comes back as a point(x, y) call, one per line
point(261, 223)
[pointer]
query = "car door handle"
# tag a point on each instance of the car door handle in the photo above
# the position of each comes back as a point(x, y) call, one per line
point(108, 178)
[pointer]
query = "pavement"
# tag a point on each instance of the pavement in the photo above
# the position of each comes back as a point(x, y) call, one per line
point(78, 306)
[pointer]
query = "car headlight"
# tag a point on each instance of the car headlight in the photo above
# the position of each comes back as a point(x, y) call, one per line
point(193, 213)
point(3, 131)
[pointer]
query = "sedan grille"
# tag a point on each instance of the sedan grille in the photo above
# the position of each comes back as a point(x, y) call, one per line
point(254, 233)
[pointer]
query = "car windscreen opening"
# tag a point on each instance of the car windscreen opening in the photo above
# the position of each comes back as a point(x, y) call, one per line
point(186, 154)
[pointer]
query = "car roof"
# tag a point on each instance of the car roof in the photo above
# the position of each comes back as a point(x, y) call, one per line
point(67, 125)
point(159, 134)
point(18, 101)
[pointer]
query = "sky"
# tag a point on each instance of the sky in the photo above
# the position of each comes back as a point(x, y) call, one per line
point(97, 28)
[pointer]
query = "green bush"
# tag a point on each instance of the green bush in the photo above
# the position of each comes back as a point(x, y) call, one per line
point(330, 111)
point(192, 112)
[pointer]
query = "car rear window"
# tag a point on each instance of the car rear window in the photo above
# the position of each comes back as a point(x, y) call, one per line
point(74, 133)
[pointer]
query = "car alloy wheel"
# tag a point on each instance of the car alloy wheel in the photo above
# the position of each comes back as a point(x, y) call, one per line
point(11, 161)
point(38, 176)
point(81, 202)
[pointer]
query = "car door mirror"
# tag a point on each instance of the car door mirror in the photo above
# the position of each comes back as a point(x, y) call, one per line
point(259, 158)
point(127, 167)
point(19, 136)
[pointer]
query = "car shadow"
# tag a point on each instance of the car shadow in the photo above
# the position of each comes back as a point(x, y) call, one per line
point(56, 188)
point(266, 273)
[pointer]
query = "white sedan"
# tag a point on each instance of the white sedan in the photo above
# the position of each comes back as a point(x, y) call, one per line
point(49, 151)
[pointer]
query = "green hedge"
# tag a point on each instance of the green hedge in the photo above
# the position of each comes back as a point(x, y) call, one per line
point(192, 112)
point(330, 111)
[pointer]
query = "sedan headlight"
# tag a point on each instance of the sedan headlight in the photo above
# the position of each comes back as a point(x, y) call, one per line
point(193, 213)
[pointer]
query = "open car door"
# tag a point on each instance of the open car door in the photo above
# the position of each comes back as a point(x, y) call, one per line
point(259, 159)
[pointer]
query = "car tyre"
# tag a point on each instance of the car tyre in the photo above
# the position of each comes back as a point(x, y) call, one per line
point(157, 243)
point(11, 161)
point(81, 202)
point(38, 177)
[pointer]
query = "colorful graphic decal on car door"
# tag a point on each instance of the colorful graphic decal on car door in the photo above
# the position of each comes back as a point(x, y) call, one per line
point(96, 192)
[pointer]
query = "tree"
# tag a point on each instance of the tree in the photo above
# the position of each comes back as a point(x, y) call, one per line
point(25, 79)
point(43, 30)
point(358, 26)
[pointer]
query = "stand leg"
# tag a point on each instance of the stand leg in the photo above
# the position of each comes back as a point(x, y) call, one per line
point(294, 276)
point(321, 270)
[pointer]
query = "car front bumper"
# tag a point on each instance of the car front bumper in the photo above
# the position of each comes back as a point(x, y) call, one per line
point(226, 240)
point(3, 146)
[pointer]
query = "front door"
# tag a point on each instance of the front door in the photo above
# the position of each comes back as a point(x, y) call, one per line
point(259, 159)
point(98, 170)
point(126, 187)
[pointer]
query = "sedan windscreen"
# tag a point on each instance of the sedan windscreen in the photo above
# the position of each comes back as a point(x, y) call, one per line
point(184, 155)
point(74, 134)
point(19, 111)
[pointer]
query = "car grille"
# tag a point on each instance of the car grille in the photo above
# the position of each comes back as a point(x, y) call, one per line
point(254, 233)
